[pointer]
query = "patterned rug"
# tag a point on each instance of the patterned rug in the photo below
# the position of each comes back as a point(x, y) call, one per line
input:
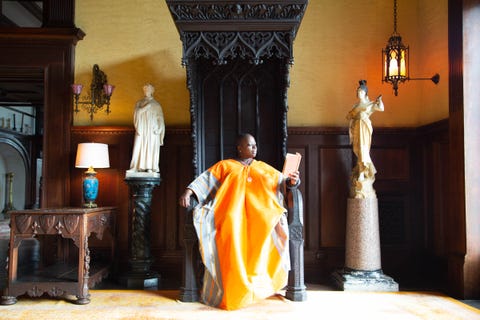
point(321, 304)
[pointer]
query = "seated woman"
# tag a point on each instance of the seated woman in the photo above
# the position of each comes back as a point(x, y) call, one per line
point(242, 228)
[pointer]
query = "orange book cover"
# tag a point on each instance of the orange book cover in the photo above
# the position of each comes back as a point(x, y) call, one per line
point(292, 163)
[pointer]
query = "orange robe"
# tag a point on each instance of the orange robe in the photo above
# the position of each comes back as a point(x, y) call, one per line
point(242, 231)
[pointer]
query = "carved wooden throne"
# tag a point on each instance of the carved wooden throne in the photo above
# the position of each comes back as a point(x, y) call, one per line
point(237, 56)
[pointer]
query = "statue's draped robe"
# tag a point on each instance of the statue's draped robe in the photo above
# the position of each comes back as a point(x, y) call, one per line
point(361, 136)
point(243, 232)
point(149, 135)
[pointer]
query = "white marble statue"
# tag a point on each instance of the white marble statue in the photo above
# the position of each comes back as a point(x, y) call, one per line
point(360, 131)
point(149, 133)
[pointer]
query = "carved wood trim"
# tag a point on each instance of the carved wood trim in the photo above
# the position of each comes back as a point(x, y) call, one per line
point(223, 46)
point(210, 15)
point(222, 30)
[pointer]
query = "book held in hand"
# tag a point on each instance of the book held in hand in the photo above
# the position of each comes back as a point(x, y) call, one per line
point(292, 163)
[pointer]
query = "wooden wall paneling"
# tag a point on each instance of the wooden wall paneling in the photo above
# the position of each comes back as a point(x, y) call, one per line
point(167, 217)
point(334, 190)
point(395, 185)
point(335, 164)
point(321, 259)
point(113, 191)
point(51, 50)
point(393, 163)
point(401, 185)
point(439, 205)
point(435, 174)
point(326, 190)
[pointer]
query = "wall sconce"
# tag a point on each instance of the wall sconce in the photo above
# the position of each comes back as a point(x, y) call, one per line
point(91, 155)
point(100, 93)
point(396, 59)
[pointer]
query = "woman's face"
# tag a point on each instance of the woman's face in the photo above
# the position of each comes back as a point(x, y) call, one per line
point(361, 93)
point(247, 148)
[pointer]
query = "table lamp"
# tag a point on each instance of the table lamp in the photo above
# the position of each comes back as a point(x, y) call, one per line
point(91, 155)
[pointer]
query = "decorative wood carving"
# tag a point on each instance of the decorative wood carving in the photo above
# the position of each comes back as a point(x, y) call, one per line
point(71, 223)
point(56, 292)
point(47, 222)
point(59, 227)
point(188, 10)
point(23, 222)
point(35, 291)
point(223, 46)
point(98, 224)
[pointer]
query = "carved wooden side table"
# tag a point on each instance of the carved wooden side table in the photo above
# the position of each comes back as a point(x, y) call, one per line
point(62, 278)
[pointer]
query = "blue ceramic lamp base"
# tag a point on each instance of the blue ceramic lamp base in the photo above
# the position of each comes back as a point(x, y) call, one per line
point(90, 189)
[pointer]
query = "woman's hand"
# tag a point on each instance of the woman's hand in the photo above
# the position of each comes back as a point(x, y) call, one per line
point(379, 103)
point(184, 200)
point(294, 177)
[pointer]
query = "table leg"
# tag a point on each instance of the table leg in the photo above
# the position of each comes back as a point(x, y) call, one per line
point(83, 272)
point(11, 263)
point(6, 299)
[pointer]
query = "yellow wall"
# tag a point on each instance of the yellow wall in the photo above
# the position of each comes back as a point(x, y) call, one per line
point(338, 43)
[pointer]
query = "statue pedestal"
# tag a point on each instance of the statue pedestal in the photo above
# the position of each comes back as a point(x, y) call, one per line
point(363, 270)
point(139, 275)
point(356, 280)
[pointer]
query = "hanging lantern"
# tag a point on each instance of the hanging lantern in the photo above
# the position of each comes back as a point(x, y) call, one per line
point(395, 59)
point(395, 62)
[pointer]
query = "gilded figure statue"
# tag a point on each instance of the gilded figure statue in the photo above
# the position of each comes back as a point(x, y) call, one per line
point(360, 132)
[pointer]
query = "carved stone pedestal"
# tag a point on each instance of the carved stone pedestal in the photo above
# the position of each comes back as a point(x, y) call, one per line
point(139, 275)
point(363, 270)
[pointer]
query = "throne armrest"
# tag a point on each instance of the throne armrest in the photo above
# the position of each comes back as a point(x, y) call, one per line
point(296, 290)
point(189, 290)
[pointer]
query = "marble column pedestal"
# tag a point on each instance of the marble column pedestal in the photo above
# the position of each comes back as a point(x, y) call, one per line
point(363, 270)
point(139, 275)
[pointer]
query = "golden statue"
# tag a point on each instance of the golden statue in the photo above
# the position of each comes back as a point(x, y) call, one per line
point(360, 131)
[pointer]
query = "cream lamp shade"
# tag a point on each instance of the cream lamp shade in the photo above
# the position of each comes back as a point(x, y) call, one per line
point(93, 155)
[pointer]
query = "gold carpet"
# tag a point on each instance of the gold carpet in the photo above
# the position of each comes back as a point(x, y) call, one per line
point(320, 304)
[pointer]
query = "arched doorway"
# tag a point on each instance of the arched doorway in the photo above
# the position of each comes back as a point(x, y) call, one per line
point(14, 169)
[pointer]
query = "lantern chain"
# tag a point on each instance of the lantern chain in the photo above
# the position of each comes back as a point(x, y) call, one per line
point(394, 16)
